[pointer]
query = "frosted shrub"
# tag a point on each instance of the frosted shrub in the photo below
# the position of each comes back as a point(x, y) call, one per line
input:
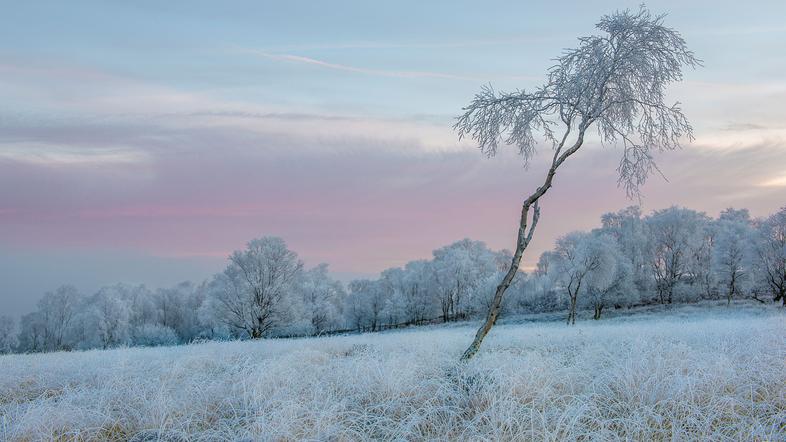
point(152, 335)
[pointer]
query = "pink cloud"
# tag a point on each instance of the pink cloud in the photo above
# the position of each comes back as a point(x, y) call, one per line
point(360, 212)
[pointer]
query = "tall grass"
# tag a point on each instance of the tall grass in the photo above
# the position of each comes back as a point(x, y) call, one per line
point(693, 373)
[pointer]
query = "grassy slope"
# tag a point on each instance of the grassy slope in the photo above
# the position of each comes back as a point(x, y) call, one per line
point(695, 372)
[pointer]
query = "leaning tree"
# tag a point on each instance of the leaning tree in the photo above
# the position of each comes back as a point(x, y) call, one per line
point(614, 83)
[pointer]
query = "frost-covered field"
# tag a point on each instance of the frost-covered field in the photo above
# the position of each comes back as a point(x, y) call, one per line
point(709, 372)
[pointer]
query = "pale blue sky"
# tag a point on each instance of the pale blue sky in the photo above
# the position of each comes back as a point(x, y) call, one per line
point(207, 46)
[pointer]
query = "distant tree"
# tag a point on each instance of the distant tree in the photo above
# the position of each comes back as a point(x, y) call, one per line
point(112, 317)
point(48, 328)
point(586, 263)
point(702, 274)
point(57, 310)
point(629, 230)
point(356, 305)
point(676, 234)
point(612, 283)
point(168, 303)
point(771, 254)
point(545, 278)
point(192, 326)
point(31, 333)
point(251, 294)
point(211, 324)
point(140, 302)
point(366, 304)
point(178, 308)
point(458, 269)
point(732, 252)
point(7, 334)
point(393, 282)
point(615, 82)
point(154, 335)
point(419, 302)
point(320, 297)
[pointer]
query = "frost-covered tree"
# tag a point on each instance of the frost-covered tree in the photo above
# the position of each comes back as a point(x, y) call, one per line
point(140, 303)
point(178, 308)
point(629, 230)
point(320, 299)
point(586, 263)
point(732, 252)
point(7, 334)
point(366, 304)
point(141, 306)
point(702, 282)
point(614, 82)
point(376, 300)
point(252, 293)
point(191, 326)
point(112, 315)
point(154, 335)
point(50, 327)
point(419, 305)
point(211, 325)
point(453, 285)
point(168, 303)
point(392, 284)
point(676, 234)
point(407, 291)
point(612, 283)
point(31, 333)
point(458, 269)
point(771, 254)
point(356, 305)
point(57, 311)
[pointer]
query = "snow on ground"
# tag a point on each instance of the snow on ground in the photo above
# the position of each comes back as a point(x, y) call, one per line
point(693, 372)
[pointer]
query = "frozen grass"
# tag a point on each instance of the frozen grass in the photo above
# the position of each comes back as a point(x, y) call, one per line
point(707, 372)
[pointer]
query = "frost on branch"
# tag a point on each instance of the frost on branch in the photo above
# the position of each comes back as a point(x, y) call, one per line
point(616, 81)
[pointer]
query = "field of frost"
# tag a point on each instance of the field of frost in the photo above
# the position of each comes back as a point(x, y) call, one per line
point(707, 372)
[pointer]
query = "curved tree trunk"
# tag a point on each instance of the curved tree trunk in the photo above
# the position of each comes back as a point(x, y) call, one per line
point(525, 236)
point(496, 305)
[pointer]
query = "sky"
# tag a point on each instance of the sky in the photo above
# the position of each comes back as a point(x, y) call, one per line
point(142, 142)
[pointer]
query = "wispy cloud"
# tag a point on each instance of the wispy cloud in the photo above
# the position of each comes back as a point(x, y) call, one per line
point(360, 70)
point(775, 182)
point(59, 155)
point(417, 45)
point(735, 126)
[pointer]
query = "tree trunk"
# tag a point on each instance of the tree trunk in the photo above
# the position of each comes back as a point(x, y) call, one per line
point(572, 310)
point(671, 292)
point(525, 235)
point(573, 313)
point(496, 305)
point(732, 287)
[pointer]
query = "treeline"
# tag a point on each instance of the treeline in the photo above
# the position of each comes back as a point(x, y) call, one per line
point(672, 255)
